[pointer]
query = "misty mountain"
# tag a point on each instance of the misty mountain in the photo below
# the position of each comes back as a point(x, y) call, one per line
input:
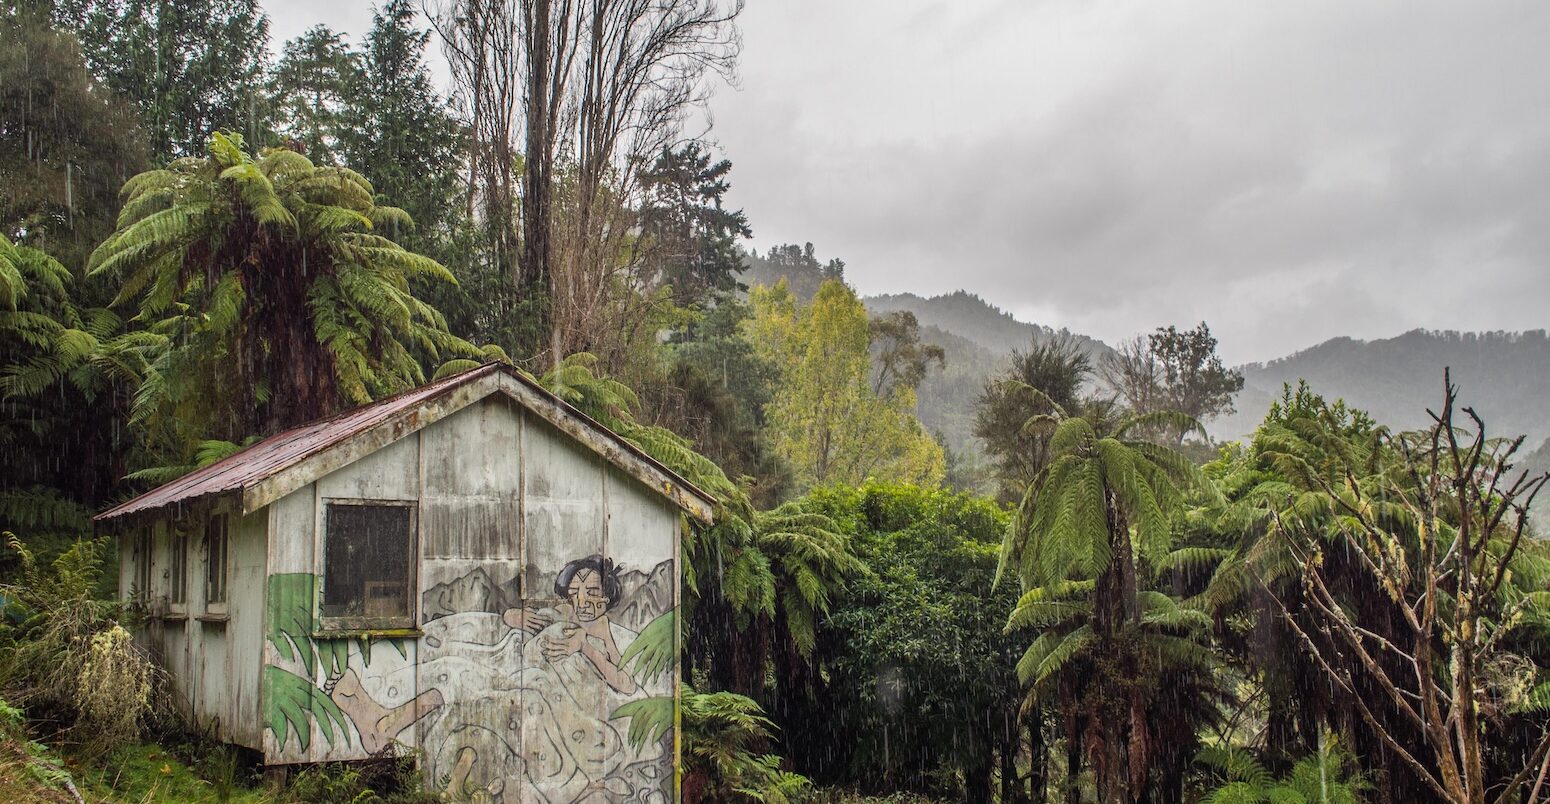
point(1504, 376)
point(969, 316)
point(978, 339)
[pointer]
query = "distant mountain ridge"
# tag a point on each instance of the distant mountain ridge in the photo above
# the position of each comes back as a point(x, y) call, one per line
point(967, 315)
point(1505, 376)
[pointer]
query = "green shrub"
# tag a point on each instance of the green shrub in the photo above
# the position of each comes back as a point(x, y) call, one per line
point(64, 657)
point(113, 688)
point(388, 780)
point(725, 738)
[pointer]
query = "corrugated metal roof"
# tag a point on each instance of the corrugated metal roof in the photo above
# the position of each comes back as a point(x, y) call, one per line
point(276, 453)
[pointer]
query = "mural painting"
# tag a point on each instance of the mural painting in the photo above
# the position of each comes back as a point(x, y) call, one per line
point(565, 695)
point(311, 681)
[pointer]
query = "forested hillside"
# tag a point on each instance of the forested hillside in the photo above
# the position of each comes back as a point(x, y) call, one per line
point(1386, 377)
point(953, 557)
point(967, 315)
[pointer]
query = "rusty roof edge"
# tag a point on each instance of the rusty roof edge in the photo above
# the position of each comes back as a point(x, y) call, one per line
point(139, 515)
point(676, 485)
point(215, 469)
point(355, 445)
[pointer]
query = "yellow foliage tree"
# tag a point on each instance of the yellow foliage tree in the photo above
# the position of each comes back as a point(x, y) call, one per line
point(827, 420)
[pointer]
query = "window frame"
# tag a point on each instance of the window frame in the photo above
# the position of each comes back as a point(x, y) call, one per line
point(400, 625)
point(212, 604)
point(144, 548)
point(177, 569)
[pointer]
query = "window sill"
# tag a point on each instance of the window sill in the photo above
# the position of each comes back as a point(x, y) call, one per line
point(212, 617)
point(175, 617)
point(381, 633)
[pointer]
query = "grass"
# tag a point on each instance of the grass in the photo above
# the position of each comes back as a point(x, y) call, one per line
point(148, 772)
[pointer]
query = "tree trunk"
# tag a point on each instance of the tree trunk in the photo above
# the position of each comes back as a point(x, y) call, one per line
point(1038, 760)
point(1116, 616)
point(1073, 750)
point(535, 283)
point(977, 771)
point(1008, 745)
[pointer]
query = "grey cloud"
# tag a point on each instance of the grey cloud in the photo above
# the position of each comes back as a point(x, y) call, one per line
point(1289, 172)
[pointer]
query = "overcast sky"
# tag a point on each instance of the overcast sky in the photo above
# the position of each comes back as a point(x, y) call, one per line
point(1286, 171)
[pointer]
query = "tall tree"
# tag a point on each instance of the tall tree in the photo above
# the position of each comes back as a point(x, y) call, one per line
point(399, 132)
point(690, 236)
point(191, 67)
point(67, 368)
point(484, 45)
point(827, 420)
point(715, 390)
point(1092, 523)
point(311, 90)
point(1175, 370)
point(66, 145)
point(281, 301)
point(602, 88)
point(1194, 381)
point(1048, 371)
point(899, 359)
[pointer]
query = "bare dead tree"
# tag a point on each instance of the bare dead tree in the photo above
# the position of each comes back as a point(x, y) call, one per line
point(485, 45)
point(1131, 373)
point(642, 69)
point(602, 86)
point(1439, 533)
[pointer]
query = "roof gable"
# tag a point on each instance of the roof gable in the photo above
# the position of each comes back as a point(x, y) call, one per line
point(274, 467)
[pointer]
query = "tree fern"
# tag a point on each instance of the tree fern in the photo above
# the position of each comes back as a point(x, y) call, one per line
point(1327, 776)
point(277, 300)
point(724, 736)
point(1094, 525)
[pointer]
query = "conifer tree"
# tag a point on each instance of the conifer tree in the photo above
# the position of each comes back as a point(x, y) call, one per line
point(311, 89)
point(191, 67)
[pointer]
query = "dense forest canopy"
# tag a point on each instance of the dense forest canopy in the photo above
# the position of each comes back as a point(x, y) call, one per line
point(956, 556)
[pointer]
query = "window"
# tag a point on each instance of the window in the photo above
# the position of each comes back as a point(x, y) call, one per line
point(142, 582)
point(368, 565)
point(177, 582)
point(215, 560)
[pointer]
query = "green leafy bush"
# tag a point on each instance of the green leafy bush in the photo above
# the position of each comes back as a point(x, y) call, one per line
point(63, 654)
point(1327, 776)
point(725, 739)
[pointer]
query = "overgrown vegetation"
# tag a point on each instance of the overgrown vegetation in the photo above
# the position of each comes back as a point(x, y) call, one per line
point(199, 250)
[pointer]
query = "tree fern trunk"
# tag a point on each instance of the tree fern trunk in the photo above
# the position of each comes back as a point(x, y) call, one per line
point(1073, 744)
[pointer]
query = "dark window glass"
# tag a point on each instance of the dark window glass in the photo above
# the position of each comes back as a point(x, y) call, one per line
point(177, 589)
point(215, 559)
point(368, 571)
point(143, 543)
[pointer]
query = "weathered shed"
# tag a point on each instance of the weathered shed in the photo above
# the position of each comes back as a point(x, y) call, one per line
point(473, 570)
